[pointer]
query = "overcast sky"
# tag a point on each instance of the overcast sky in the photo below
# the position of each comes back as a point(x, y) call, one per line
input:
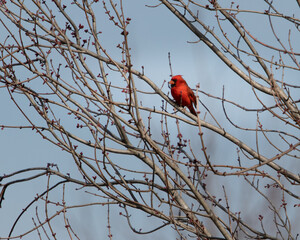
point(153, 33)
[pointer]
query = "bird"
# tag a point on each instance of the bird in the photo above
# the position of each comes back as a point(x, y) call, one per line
point(182, 93)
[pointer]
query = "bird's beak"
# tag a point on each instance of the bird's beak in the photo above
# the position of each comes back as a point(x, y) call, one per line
point(171, 83)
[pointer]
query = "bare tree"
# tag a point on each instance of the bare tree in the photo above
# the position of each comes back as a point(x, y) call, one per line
point(92, 103)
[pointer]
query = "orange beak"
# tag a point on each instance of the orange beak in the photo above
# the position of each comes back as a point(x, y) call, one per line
point(172, 83)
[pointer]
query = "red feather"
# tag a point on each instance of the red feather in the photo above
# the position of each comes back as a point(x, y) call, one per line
point(182, 94)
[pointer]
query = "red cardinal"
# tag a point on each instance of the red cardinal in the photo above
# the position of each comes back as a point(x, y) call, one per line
point(182, 94)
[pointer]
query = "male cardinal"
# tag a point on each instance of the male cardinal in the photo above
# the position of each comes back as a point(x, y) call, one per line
point(182, 94)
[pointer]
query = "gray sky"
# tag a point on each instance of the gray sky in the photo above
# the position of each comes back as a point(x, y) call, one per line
point(153, 33)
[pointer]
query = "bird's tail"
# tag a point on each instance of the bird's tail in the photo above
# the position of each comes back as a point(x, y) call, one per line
point(192, 110)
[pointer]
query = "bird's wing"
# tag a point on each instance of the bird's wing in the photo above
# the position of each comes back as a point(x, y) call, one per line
point(192, 96)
